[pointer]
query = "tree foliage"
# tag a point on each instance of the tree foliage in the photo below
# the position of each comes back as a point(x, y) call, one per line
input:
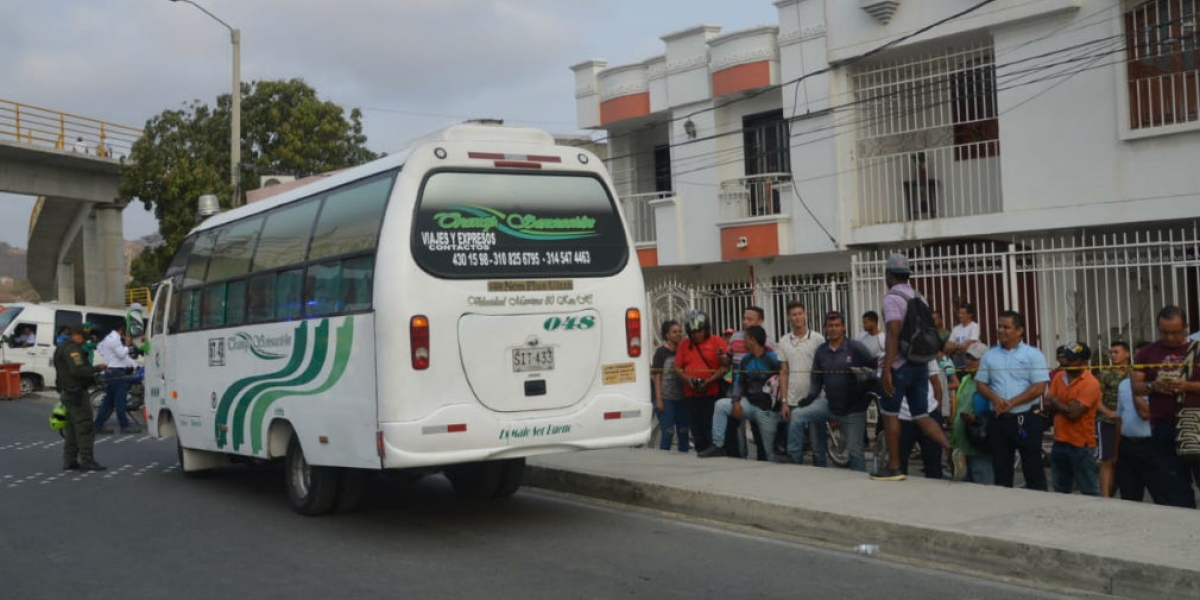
point(184, 153)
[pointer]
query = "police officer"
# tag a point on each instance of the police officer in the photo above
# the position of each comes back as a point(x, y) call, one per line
point(74, 375)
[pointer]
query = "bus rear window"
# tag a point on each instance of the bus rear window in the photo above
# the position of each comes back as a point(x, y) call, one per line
point(471, 225)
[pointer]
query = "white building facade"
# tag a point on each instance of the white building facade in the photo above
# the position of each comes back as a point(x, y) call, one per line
point(1038, 155)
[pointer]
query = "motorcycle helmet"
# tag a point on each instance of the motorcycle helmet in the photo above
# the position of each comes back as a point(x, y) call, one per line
point(694, 321)
point(58, 418)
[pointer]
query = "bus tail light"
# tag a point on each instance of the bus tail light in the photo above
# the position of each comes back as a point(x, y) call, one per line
point(633, 332)
point(418, 334)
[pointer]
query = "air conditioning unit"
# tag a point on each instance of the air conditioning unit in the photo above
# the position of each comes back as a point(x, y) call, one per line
point(270, 180)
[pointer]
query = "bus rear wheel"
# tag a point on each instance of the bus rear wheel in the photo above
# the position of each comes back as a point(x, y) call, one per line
point(311, 490)
point(487, 479)
point(511, 478)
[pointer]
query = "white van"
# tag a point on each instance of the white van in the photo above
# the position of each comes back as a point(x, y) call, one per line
point(30, 330)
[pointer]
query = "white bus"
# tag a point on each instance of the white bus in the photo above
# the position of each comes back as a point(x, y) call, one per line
point(457, 308)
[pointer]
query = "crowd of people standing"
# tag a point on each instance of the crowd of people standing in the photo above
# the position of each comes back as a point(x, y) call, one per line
point(974, 410)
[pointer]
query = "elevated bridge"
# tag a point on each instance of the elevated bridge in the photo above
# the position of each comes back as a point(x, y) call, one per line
point(72, 163)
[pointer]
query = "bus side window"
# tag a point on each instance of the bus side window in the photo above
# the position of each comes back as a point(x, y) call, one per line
point(262, 298)
point(235, 302)
point(321, 289)
point(358, 279)
point(191, 310)
point(197, 266)
point(212, 312)
point(289, 287)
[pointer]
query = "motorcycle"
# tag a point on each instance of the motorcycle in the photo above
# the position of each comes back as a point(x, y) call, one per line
point(133, 401)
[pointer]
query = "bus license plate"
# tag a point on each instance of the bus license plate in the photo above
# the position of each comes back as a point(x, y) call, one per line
point(533, 359)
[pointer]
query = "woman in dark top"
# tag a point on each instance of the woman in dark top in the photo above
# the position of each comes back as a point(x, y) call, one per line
point(674, 417)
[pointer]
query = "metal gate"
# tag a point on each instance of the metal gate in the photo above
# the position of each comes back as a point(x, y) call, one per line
point(1095, 288)
point(725, 301)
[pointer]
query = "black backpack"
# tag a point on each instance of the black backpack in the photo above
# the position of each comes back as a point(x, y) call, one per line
point(919, 339)
point(754, 382)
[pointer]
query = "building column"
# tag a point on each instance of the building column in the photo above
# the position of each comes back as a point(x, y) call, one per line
point(104, 257)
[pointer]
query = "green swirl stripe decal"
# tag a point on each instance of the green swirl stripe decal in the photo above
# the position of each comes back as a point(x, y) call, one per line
point(341, 358)
point(254, 396)
point(320, 351)
point(234, 390)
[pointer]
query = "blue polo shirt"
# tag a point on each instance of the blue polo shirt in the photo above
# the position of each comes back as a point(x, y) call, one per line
point(1132, 424)
point(1010, 372)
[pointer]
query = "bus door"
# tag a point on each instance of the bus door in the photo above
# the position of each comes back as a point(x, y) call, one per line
point(160, 370)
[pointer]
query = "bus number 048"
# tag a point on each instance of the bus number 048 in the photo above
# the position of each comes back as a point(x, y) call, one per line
point(569, 323)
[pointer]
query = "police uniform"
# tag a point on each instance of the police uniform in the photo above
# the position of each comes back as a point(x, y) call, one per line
point(74, 375)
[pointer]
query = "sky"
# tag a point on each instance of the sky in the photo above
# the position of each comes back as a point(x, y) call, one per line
point(412, 66)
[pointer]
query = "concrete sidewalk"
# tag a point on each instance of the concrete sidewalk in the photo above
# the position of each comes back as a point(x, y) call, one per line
point(1113, 547)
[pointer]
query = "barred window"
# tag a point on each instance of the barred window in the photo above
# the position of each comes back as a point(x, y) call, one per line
point(1162, 40)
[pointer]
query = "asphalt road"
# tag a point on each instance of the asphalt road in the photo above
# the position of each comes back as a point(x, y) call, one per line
point(141, 530)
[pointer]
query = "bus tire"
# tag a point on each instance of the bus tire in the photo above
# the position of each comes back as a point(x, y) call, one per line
point(472, 481)
point(311, 490)
point(511, 477)
point(352, 490)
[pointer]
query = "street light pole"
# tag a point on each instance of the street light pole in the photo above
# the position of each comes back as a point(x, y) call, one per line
point(235, 118)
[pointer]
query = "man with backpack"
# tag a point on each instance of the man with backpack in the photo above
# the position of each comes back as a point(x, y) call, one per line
point(753, 395)
point(912, 341)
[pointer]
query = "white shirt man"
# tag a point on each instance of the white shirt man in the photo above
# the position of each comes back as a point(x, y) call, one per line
point(796, 351)
point(114, 353)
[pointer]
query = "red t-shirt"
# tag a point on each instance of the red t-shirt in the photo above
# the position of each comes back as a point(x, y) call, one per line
point(700, 361)
point(1163, 406)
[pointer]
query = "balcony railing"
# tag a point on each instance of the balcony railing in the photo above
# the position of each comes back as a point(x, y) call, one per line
point(755, 196)
point(639, 215)
point(936, 183)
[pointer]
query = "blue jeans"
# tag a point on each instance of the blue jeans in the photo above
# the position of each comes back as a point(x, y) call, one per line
point(767, 421)
point(116, 392)
point(854, 430)
point(814, 415)
point(674, 420)
point(980, 470)
point(911, 382)
point(1070, 465)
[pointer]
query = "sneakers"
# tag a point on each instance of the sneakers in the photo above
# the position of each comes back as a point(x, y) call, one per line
point(104, 430)
point(131, 428)
point(887, 474)
point(711, 451)
point(95, 466)
point(958, 463)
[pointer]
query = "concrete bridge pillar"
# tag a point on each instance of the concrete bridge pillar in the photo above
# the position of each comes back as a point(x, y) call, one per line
point(104, 257)
point(65, 275)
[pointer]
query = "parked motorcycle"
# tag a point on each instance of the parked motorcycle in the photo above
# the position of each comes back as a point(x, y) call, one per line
point(133, 402)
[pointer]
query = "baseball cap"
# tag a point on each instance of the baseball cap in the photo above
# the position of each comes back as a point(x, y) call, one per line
point(898, 264)
point(977, 350)
point(1075, 351)
point(728, 331)
point(835, 314)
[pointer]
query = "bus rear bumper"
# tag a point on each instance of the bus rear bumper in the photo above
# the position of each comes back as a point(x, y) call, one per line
point(469, 432)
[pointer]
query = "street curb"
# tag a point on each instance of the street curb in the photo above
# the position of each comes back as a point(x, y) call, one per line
point(993, 557)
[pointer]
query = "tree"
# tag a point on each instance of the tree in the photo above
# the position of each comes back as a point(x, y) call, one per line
point(184, 153)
